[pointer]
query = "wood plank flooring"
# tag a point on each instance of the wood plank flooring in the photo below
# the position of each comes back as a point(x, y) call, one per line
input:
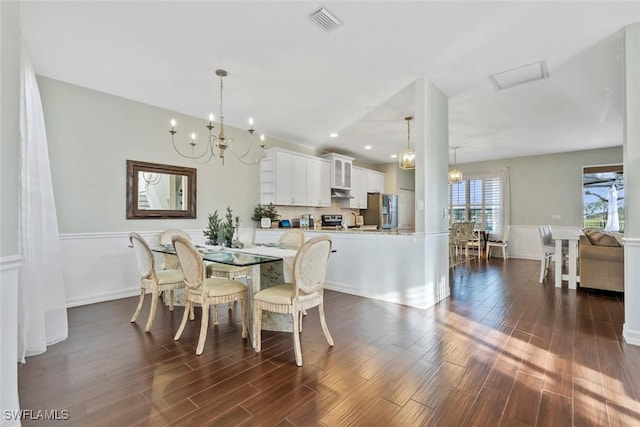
point(503, 350)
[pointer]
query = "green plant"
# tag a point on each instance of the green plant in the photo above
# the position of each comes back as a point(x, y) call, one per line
point(228, 227)
point(213, 228)
point(265, 211)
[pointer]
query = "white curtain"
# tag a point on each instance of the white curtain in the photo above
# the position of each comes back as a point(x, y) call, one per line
point(42, 313)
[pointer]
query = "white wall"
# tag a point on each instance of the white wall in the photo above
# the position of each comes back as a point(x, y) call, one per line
point(10, 46)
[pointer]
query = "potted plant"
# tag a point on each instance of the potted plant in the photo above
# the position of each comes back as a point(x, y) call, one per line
point(265, 211)
point(213, 228)
point(228, 228)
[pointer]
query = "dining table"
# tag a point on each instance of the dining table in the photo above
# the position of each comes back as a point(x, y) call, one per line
point(268, 265)
point(570, 235)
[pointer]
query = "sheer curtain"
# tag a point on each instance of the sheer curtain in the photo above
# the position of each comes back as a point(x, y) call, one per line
point(42, 313)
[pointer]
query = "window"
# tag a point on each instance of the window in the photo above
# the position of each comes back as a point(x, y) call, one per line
point(481, 199)
point(603, 197)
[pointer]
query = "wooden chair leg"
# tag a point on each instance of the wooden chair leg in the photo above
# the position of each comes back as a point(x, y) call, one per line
point(296, 337)
point(170, 296)
point(204, 325)
point(243, 308)
point(152, 313)
point(543, 267)
point(257, 325)
point(191, 312)
point(323, 322)
point(215, 314)
point(137, 312)
point(188, 309)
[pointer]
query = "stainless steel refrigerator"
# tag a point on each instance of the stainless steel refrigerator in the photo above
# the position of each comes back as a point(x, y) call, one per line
point(382, 210)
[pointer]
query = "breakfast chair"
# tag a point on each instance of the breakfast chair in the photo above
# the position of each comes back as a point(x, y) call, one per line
point(502, 243)
point(206, 291)
point(548, 250)
point(150, 279)
point(475, 242)
point(306, 291)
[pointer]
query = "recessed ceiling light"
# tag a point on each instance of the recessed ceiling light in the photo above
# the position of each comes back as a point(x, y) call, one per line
point(367, 147)
point(333, 135)
point(394, 156)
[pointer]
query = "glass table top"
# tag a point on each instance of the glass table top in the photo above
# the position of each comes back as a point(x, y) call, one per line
point(225, 256)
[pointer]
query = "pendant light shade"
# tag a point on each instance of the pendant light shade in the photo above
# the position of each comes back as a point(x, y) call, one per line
point(407, 158)
point(454, 174)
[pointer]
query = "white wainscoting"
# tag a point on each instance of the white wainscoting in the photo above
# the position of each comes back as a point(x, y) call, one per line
point(101, 266)
point(9, 269)
point(631, 327)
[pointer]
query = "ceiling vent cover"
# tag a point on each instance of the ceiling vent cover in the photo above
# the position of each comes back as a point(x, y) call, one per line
point(325, 19)
point(523, 74)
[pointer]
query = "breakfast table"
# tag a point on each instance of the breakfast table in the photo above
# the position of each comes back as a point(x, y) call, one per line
point(571, 235)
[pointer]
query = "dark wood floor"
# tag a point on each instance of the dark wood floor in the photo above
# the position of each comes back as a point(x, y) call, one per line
point(503, 350)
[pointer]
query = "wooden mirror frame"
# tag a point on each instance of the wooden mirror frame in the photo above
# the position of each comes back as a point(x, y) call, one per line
point(133, 169)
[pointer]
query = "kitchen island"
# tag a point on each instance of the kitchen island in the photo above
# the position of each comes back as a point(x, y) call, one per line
point(387, 265)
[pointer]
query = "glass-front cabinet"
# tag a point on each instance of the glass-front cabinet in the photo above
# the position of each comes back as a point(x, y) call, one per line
point(340, 170)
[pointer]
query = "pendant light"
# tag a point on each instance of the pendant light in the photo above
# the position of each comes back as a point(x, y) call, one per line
point(407, 158)
point(454, 174)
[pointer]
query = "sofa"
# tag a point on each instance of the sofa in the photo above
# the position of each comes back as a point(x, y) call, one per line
point(601, 257)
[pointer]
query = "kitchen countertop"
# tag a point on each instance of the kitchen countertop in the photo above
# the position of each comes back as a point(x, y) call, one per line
point(354, 230)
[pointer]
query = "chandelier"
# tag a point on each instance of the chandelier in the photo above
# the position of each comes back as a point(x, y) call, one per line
point(407, 158)
point(454, 174)
point(217, 144)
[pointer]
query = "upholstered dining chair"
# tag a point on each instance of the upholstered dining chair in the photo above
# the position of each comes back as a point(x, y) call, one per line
point(293, 238)
point(170, 261)
point(205, 291)
point(156, 281)
point(500, 243)
point(306, 291)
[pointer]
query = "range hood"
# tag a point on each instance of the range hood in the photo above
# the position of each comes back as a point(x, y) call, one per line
point(340, 194)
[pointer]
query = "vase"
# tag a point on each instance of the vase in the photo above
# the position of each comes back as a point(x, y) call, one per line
point(265, 223)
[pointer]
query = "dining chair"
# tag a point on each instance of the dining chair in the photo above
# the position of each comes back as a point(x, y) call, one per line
point(475, 242)
point(156, 281)
point(206, 291)
point(293, 238)
point(306, 291)
point(502, 243)
point(170, 261)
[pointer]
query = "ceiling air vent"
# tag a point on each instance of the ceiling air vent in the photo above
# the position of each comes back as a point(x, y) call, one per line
point(517, 76)
point(325, 19)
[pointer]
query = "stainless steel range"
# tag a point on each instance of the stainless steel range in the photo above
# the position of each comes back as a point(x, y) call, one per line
point(331, 221)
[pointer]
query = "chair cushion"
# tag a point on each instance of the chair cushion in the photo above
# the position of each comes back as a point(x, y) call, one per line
point(600, 238)
point(215, 286)
point(279, 294)
point(169, 276)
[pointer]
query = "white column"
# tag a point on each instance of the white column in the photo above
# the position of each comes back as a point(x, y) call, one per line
point(631, 329)
point(10, 39)
point(431, 139)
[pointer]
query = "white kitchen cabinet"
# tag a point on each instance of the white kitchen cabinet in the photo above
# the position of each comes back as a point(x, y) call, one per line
point(375, 182)
point(341, 170)
point(291, 179)
point(358, 189)
point(318, 182)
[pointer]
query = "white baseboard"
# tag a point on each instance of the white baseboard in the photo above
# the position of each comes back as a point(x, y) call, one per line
point(366, 293)
point(102, 297)
point(630, 336)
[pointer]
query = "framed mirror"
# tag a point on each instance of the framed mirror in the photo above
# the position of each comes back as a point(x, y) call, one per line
point(160, 191)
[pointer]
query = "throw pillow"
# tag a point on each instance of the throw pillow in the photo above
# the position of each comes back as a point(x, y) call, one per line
point(600, 238)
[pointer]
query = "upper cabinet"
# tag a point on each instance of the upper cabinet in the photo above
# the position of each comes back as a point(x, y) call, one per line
point(292, 179)
point(358, 198)
point(375, 182)
point(341, 174)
